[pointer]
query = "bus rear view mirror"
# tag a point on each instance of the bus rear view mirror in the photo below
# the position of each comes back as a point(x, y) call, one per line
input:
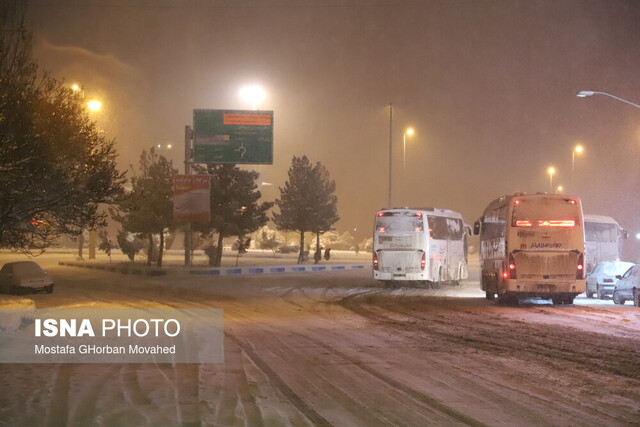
point(476, 228)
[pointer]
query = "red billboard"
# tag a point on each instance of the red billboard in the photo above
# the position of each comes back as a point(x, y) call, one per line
point(191, 198)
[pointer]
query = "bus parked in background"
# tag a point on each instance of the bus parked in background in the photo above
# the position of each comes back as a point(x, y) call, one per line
point(532, 246)
point(603, 238)
point(426, 246)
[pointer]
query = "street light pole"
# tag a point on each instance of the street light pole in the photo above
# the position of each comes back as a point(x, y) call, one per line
point(188, 160)
point(390, 152)
point(585, 93)
point(577, 149)
point(409, 132)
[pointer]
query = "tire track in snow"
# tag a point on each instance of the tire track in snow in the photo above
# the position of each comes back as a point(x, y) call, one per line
point(58, 412)
point(431, 403)
point(275, 379)
point(85, 399)
point(423, 400)
point(493, 322)
point(236, 390)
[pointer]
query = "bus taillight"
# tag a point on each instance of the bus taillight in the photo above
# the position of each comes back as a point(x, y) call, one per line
point(580, 268)
point(512, 267)
point(375, 261)
point(423, 261)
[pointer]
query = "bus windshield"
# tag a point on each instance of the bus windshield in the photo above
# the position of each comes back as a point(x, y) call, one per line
point(545, 212)
point(400, 222)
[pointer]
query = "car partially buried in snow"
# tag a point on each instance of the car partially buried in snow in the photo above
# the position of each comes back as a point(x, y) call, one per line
point(628, 287)
point(602, 278)
point(24, 277)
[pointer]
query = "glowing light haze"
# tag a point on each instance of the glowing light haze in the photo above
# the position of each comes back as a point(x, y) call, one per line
point(489, 86)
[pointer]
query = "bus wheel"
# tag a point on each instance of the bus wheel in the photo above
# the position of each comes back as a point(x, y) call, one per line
point(490, 295)
point(557, 300)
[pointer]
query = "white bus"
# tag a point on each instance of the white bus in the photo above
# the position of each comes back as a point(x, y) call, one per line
point(603, 238)
point(532, 246)
point(427, 246)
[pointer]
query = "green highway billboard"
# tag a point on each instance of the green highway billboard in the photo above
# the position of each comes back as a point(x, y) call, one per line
point(233, 136)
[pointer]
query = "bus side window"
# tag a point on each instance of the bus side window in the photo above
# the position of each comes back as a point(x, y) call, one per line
point(493, 227)
point(445, 228)
point(502, 214)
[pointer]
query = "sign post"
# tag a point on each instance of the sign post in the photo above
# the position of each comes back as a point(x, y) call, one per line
point(188, 159)
point(226, 136)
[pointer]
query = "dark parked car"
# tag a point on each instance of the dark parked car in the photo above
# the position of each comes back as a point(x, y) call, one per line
point(602, 278)
point(23, 277)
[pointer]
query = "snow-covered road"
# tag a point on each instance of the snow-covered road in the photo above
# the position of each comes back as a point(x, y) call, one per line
point(335, 349)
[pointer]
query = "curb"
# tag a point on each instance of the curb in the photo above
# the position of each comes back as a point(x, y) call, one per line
point(122, 269)
point(238, 271)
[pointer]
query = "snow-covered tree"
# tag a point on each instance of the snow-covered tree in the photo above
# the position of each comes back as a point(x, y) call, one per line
point(235, 210)
point(307, 201)
point(148, 208)
point(56, 167)
point(367, 245)
point(267, 239)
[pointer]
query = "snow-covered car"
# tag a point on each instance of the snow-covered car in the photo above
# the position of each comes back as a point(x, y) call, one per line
point(24, 277)
point(602, 278)
point(628, 287)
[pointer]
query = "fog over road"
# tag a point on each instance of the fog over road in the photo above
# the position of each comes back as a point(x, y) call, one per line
point(334, 348)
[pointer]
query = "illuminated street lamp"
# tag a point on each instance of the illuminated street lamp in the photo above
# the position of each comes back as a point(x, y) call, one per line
point(559, 189)
point(78, 90)
point(585, 93)
point(94, 105)
point(577, 149)
point(408, 132)
point(253, 94)
point(551, 171)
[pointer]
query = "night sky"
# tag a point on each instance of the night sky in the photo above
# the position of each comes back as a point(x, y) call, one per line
point(489, 87)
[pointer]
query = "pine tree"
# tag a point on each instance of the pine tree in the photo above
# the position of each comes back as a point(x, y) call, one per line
point(235, 210)
point(148, 209)
point(307, 201)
